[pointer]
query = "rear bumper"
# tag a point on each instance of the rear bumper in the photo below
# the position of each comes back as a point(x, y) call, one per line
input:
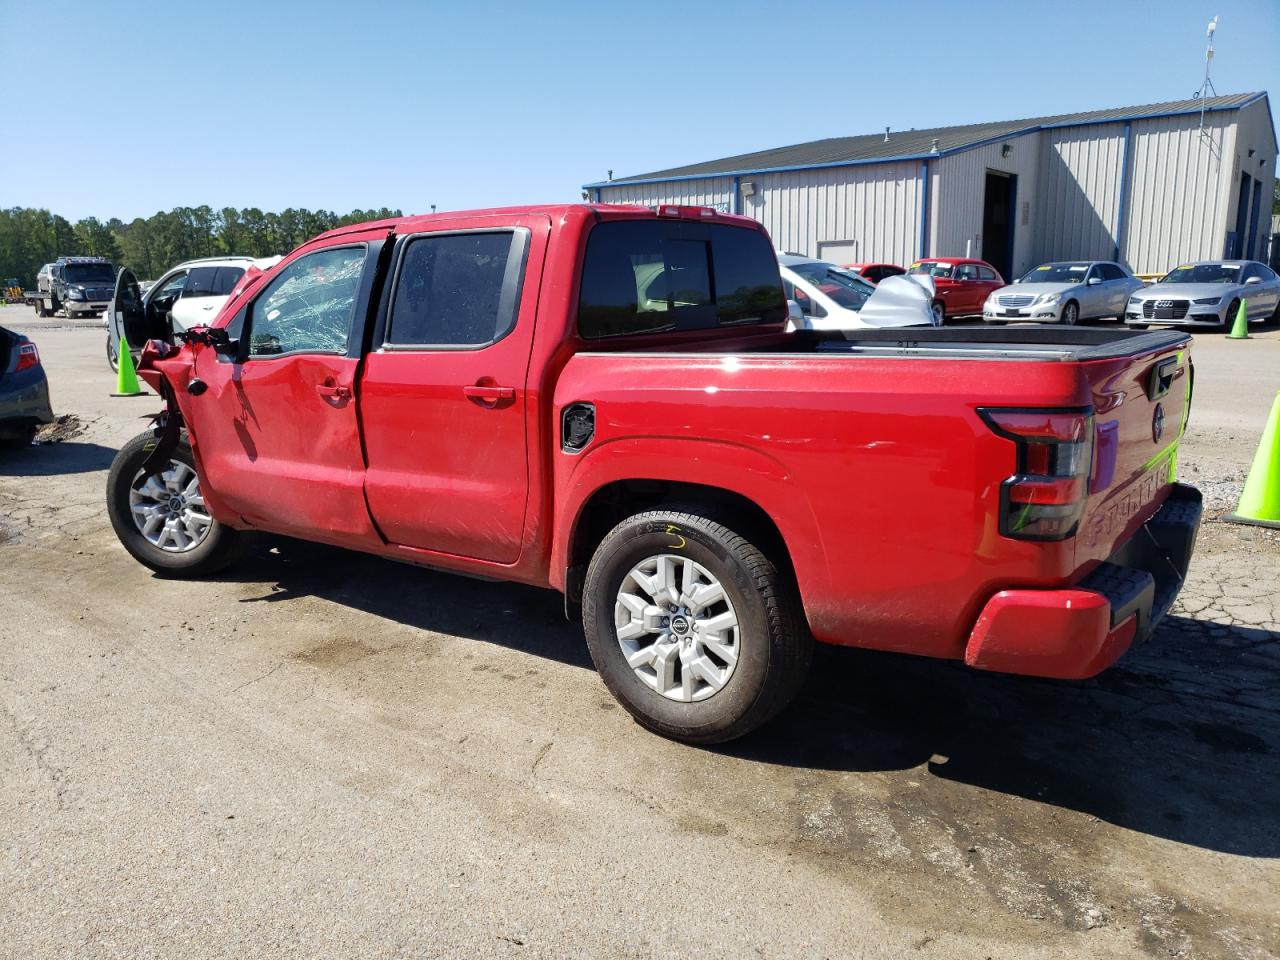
point(24, 402)
point(1077, 632)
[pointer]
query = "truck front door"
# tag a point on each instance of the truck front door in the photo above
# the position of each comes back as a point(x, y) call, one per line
point(276, 427)
point(444, 397)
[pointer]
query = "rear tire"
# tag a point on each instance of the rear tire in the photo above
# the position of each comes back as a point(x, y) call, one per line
point(758, 663)
point(217, 547)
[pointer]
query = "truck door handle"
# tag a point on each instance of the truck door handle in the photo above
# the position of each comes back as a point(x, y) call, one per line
point(335, 392)
point(477, 392)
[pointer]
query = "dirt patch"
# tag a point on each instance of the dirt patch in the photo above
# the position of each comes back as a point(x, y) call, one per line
point(336, 653)
point(66, 427)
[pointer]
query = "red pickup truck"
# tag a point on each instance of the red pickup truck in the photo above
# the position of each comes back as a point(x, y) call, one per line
point(603, 400)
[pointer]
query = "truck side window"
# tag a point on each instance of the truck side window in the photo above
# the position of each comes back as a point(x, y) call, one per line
point(457, 290)
point(308, 306)
point(653, 276)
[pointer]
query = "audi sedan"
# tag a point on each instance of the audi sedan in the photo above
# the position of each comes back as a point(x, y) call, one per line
point(1064, 293)
point(1207, 294)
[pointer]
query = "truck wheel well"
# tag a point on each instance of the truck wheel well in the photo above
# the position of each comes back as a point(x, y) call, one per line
point(614, 502)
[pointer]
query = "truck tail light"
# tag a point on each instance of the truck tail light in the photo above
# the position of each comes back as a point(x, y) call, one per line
point(1044, 499)
point(28, 356)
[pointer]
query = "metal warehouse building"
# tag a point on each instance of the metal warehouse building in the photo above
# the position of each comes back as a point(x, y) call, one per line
point(1150, 186)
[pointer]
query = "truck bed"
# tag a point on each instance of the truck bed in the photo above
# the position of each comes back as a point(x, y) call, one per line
point(1080, 344)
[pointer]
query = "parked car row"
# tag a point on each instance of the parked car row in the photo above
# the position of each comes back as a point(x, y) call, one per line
point(1205, 293)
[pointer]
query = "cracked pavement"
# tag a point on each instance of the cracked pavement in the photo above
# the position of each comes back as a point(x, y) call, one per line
point(322, 753)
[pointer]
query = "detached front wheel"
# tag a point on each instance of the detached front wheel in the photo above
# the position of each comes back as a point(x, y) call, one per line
point(162, 519)
point(693, 628)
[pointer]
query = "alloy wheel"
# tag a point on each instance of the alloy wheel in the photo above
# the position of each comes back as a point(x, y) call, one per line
point(677, 628)
point(168, 510)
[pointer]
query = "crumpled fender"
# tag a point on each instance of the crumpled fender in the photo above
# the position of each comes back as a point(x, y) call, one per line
point(738, 469)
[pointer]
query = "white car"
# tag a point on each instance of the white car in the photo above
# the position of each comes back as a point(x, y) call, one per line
point(829, 297)
point(1065, 293)
point(1208, 293)
point(187, 295)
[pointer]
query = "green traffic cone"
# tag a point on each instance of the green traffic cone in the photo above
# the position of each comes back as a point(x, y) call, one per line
point(126, 378)
point(1241, 329)
point(1260, 501)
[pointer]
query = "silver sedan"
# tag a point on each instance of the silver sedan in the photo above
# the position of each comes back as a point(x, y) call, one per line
point(1208, 293)
point(1066, 293)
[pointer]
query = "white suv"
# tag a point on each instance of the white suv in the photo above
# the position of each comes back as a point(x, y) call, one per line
point(189, 294)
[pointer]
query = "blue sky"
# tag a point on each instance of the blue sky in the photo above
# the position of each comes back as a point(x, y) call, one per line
point(370, 104)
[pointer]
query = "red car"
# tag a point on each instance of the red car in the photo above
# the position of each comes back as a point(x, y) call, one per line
point(962, 284)
point(875, 272)
point(603, 400)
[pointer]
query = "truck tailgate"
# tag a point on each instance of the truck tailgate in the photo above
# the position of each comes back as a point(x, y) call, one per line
point(1140, 409)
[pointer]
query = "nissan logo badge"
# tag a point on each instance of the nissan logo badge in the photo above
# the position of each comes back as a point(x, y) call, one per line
point(1157, 423)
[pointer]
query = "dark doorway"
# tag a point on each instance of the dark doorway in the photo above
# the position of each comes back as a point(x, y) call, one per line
point(997, 221)
point(1236, 247)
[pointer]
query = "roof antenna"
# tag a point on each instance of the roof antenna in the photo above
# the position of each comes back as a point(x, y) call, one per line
point(610, 175)
point(1207, 86)
point(886, 134)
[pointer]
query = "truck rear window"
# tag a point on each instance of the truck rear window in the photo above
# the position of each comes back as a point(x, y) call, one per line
point(654, 276)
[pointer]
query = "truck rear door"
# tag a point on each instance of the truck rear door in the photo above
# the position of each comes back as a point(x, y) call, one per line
point(444, 399)
point(1140, 409)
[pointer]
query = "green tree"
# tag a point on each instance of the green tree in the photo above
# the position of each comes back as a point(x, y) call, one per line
point(93, 238)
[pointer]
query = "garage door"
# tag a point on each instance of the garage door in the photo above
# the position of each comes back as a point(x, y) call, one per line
point(838, 251)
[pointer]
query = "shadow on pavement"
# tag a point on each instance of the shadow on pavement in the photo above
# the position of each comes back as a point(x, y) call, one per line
point(511, 615)
point(1180, 741)
point(55, 459)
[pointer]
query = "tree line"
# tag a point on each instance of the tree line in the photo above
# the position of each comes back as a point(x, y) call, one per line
point(30, 238)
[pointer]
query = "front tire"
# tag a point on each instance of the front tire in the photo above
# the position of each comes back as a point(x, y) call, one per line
point(113, 356)
point(1232, 310)
point(939, 311)
point(693, 628)
point(162, 520)
point(1071, 314)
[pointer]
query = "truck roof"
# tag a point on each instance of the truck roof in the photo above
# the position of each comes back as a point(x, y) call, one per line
point(555, 211)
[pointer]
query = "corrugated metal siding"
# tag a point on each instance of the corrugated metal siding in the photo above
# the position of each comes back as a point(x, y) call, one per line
point(1078, 203)
point(1180, 200)
point(1252, 132)
point(957, 194)
point(1179, 191)
point(711, 192)
point(877, 206)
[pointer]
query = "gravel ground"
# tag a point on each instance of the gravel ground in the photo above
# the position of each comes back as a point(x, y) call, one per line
point(326, 754)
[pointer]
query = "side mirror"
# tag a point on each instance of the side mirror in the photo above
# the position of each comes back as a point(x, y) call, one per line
point(1017, 279)
point(1253, 280)
point(1093, 281)
point(794, 313)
